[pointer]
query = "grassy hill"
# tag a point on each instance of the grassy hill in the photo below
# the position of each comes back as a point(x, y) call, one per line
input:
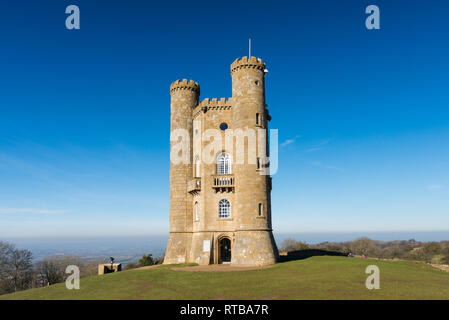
point(312, 278)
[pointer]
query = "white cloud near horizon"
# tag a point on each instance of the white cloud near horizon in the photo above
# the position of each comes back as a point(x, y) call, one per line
point(289, 141)
point(85, 227)
point(434, 187)
point(326, 166)
point(29, 211)
point(319, 146)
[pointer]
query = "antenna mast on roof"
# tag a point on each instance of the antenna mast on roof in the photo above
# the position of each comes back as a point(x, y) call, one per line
point(249, 56)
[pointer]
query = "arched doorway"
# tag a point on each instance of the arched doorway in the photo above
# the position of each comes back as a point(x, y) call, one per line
point(225, 250)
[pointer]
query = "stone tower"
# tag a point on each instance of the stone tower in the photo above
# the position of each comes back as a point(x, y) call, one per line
point(220, 204)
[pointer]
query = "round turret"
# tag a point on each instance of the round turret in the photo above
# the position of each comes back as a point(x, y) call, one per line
point(248, 92)
point(184, 98)
point(245, 63)
point(184, 84)
point(252, 194)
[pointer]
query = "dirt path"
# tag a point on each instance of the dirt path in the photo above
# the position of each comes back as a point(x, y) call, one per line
point(219, 268)
point(443, 267)
point(147, 267)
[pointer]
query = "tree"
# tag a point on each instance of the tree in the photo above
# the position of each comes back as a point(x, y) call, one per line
point(22, 269)
point(16, 268)
point(52, 269)
point(393, 252)
point(291, 244)
point(430, 249)
point(287, 243)
point(445, 253)
point(146, 260)
point(364, 246)
point(6, 250)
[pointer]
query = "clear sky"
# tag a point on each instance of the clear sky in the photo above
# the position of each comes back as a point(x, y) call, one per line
point(363, 115)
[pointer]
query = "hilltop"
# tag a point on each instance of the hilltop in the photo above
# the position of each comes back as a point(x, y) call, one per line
point(321, 277)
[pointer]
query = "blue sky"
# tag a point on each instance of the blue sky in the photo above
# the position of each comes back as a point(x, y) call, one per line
point(363, 115)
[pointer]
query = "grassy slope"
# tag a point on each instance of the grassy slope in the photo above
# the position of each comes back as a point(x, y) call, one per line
point(312, 278)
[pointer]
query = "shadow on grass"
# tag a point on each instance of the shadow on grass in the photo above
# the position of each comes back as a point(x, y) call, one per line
point(307, 253)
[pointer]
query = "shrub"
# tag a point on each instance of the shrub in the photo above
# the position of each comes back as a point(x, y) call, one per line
point(290, 244)
point(52, 269)
point(365, 246)
point(146, 260)
point(131, 265)
point(445, 253)
point(160, 260)
point(430, 250)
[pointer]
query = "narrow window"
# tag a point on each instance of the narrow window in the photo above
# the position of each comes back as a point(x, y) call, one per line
point(223, 164)
point(224, 209)
point(197, 167)
point(197, 211)
point(260, 209)
point(257, 118)
point(258, 163)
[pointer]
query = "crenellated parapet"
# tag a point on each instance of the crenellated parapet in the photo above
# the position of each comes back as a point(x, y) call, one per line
point(185, 84)
point(212, 104)
point(245, 63)
point(215, 103)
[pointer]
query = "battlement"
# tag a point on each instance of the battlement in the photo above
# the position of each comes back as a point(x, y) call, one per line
point(223, 102)
point(252, 63)
point(184, 84)
point(212, 104)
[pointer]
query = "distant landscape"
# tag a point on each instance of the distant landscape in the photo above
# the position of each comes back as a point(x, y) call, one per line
point(130, 249)
point(36, 263)
point(123, 249)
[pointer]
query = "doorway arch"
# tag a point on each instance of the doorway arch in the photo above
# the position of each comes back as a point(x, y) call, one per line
point(224, 246)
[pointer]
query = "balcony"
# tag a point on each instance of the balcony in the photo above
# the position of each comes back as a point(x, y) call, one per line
point(223, 182)
point(194, 186)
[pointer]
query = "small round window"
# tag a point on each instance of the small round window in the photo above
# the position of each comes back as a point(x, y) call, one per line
point(256, 82)
point(223, 126)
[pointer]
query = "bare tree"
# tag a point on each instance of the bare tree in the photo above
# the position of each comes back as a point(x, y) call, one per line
point(22, 269)
point(291, 244)
point(364, 246)
point(6, 250)
point(16, 268)
point(52, 269)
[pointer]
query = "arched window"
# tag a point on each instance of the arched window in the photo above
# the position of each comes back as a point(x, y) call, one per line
point(224, 209)
point(223, 164)
point(197, 211)
point(197, 167)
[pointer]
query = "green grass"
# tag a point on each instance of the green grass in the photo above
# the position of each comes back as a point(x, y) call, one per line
point(312, 278)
